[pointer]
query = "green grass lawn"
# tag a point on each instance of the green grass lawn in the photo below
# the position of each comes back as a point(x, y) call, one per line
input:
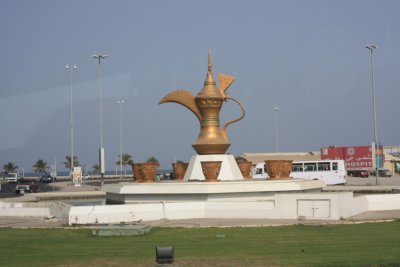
point(369, 244)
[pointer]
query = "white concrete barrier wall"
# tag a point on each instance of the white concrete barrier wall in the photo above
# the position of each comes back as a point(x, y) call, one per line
point(383, 202)
point(366, 203)
point(135, 212)
point(113, 213)
point(283, 206)
point(344, 205)
point(29, 212)
point(288, 205)
point(184, 210)
point(18, 209)
point(359, 205)
point(60, 211)
point(240, 209)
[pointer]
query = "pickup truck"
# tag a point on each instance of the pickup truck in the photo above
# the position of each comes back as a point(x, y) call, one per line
point(26, 185)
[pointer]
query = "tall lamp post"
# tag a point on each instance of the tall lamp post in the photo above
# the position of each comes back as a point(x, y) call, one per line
point(120, 103)
point(99, 57)
point(276, 128)
point(70, 68)
point(371, 48)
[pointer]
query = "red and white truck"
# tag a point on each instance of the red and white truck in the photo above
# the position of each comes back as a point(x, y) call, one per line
point(358, 159)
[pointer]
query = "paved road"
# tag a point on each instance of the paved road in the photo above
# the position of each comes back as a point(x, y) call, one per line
point(8, 189)
point(371, 180)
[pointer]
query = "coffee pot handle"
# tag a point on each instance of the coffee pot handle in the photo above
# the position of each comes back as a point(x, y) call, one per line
point(238, 119)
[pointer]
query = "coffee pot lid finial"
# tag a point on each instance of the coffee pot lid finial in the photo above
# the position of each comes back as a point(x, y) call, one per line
point(210, 88)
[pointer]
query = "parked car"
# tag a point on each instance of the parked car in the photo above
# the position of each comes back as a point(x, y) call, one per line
point(358, 173)
point(26, 185)
point(382, 173)
point(47, 178)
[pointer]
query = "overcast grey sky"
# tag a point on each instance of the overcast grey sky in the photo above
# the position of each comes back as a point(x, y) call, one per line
point(306, 57)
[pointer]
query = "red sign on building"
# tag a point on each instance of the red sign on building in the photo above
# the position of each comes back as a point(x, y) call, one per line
point(356, 157)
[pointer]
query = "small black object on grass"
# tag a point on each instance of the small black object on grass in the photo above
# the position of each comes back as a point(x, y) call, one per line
point(165, 254)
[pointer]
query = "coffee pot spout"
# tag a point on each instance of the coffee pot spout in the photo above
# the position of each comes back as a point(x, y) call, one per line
point(184, 98)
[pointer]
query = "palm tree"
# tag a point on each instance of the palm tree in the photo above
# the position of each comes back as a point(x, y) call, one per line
point(10, 167)
point(96, 169)
point(126, 160)
point(40, 166)
point(67, 163)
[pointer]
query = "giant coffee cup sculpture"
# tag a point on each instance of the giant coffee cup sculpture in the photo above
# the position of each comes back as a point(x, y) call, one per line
point(245, 169)
point(211, 170)
point(206, 106)
point(278, 169)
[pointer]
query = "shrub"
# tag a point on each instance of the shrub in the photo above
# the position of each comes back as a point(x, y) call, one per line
point(152, 160)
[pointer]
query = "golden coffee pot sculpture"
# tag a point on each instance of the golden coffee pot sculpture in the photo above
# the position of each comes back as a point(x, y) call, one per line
point(207, 106)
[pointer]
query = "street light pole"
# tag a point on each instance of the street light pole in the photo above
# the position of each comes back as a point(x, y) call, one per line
point(71, 116)
point(120, 103)
point(99, 57)
point(276, 128)
point(371, 48)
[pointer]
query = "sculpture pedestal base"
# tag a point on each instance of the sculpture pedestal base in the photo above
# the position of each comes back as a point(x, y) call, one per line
point(229, 168)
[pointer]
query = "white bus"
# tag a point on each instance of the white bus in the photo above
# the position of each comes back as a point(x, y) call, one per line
point(329, 171)
point(259, 171)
